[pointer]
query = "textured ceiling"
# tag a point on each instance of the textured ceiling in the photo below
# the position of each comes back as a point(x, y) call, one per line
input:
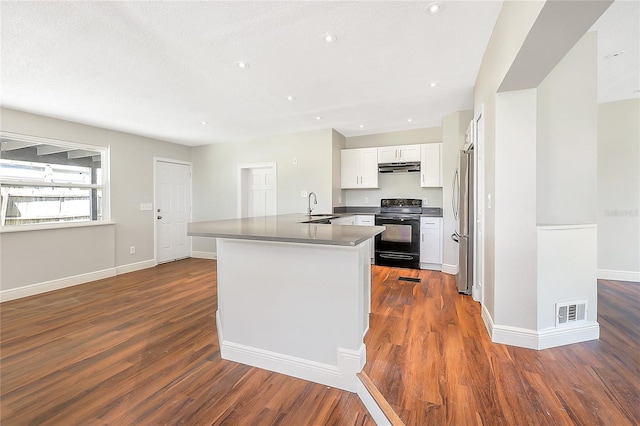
point(619, 31)
point(159, 69)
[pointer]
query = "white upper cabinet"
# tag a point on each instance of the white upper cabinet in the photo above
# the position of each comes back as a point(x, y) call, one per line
point(359, 168)
point(431, 165)
point(398, 154)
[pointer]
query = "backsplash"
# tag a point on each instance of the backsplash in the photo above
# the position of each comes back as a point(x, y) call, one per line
point(394, 185)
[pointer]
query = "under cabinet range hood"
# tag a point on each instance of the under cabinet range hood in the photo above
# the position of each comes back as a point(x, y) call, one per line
point(412, 166)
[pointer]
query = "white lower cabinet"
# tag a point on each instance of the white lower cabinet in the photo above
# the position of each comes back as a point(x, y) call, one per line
point(431, 243)
point(366, 220)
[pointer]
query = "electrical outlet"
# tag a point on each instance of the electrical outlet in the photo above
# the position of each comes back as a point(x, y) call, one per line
point(425, 201)
point(304, 194)
point(366, 200)
point(132, 250)
point(339, 199)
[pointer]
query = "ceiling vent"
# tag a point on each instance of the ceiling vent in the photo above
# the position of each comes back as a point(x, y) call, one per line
point(570, 312)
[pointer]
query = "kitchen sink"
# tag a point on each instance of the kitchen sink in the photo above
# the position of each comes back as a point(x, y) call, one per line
point(319, 221)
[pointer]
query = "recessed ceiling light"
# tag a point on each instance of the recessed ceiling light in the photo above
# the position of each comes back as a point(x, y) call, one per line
point(362, 126)
point(329, 38)
point(204, 122)
point(434, 8)
point(613, 55)
point(318, 118)
point(290, 98)
point(409, 120)
point(433, 84)
point(242, 65)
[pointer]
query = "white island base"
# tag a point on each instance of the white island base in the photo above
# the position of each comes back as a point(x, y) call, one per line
point(295, 308)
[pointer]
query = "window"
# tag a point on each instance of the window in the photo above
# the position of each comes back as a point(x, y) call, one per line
point(45, 181)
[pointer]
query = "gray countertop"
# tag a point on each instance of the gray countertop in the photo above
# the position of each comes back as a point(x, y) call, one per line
point(284, 228)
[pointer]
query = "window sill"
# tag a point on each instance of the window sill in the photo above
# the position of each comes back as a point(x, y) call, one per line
point(48, 226)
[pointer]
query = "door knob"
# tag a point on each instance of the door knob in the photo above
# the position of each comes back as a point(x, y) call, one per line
point(159, 217)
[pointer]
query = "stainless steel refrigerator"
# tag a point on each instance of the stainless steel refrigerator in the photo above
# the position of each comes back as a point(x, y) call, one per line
point(463, 212)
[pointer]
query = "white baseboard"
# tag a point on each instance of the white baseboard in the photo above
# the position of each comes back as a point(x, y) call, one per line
point(540, 339)
point(560, 336)
point(609, 274)
point(475, 292)
point(138, 266)
point(342, 376)
point(38, 288)
point(33, 289)
point(204, 255)
point(371, 405)
point(449, 269)
point(487, 319)
point(431, 266)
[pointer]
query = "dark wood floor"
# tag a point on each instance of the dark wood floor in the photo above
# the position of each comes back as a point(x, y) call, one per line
point(142, 349)
point(430, 356)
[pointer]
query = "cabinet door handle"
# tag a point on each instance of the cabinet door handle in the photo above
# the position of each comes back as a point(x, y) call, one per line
point(422, 237)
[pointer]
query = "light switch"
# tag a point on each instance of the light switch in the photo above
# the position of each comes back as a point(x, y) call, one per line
point(304, 194)
point(146, 206)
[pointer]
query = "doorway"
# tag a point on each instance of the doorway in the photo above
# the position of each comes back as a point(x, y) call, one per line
point(257, 190)
point(172, 202)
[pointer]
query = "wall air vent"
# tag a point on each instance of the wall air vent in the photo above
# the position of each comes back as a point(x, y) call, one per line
point(570, 312)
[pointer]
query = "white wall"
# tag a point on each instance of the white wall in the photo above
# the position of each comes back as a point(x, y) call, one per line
point(547, 121)
point(514, 23)
point(567, 138)
point(567, 129)
point(215, 175)
point(454, 127)
point(131, 184)
point(619, 190)
point(515, 210)
point(339, 142)
point(395, 185)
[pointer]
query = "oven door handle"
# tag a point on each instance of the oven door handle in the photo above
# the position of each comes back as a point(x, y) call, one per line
point(395, 256)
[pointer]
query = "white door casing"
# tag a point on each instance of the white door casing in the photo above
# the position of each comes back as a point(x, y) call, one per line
point(172, 212)
point(257, 190)
point(478, 293)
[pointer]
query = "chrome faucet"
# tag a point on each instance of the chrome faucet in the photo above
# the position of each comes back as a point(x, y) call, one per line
point(315, 201)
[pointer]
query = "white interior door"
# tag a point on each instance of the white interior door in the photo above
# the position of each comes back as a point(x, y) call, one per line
point(172, 210)
point(257, 190)
point(261, 202)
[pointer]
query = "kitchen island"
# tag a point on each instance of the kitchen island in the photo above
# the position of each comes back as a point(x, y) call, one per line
point(293, 297)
